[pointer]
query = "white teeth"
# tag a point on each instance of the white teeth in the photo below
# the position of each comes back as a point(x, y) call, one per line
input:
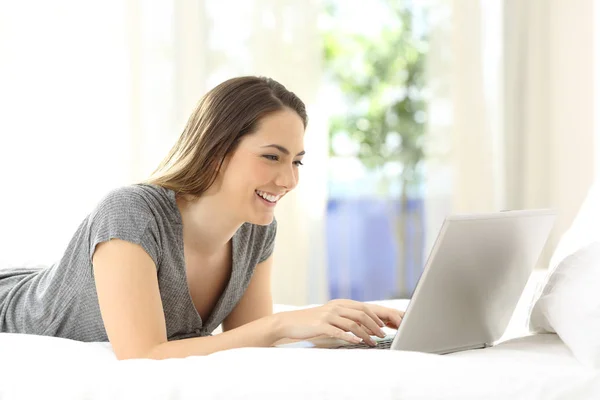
point(267, 196)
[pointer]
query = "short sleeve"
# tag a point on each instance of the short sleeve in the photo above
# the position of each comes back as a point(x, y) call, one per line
point(124, 214)
point(269, 243)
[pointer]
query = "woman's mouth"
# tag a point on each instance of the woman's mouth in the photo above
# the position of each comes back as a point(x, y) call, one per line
point(267, 198)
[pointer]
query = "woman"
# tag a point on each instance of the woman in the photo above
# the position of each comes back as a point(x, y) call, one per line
point(158, 265)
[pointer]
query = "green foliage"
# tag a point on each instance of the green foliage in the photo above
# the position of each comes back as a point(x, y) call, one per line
point(382, 80)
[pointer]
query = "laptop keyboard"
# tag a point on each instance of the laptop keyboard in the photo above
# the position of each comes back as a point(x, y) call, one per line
point(382, 344)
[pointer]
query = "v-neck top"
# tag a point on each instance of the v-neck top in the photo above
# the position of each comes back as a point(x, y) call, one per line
point(61, 300)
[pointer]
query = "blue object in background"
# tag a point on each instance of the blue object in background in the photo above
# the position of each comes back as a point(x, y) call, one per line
point(362, 248)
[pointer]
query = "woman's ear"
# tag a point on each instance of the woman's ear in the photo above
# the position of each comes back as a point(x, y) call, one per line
point(222, 166)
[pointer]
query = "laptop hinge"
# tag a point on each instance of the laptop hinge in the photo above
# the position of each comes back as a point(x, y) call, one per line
point(465, 348)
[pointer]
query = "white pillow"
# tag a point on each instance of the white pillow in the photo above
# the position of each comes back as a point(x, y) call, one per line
point(584, 229)
point(570, 304)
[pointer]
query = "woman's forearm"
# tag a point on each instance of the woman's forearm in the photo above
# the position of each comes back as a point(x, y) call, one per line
point(260, 333)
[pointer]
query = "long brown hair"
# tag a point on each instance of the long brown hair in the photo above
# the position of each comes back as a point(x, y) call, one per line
point(223, 116)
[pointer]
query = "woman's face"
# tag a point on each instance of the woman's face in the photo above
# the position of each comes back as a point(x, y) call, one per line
point(264, 167)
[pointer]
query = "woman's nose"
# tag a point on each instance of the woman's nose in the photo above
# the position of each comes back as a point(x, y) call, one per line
point(288, 178)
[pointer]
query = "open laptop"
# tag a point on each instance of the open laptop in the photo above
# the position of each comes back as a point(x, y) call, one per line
point(470, 286)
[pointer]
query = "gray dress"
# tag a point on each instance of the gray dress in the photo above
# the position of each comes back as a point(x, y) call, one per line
point(61, 300)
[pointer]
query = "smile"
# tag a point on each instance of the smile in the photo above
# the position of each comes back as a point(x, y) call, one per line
point(268, 197)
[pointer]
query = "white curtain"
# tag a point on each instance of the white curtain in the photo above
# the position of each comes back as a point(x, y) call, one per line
point(550, 108)
point(64, 127)
point(513, 103)
point(94, 94)
point(465, 130)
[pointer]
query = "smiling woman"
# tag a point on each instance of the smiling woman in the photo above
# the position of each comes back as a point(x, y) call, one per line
point(158, 265)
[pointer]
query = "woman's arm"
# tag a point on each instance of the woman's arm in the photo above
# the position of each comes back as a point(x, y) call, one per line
point(133, 315)
point(257, 301)
point(259, 333)
point(129, 298)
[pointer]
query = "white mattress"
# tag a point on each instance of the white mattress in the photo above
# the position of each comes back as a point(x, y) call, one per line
point(534, 367)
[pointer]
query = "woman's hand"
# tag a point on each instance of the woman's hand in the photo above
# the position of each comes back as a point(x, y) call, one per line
point(336, 319)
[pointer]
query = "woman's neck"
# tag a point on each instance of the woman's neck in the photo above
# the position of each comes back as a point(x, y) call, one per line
point(207, 226)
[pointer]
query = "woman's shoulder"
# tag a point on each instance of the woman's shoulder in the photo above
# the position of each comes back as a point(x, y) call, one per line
point(120, 200)
point(137, 213)
point(143, 199)
point(132, 193)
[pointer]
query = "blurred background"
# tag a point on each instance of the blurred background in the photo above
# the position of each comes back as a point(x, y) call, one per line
point(417, 108)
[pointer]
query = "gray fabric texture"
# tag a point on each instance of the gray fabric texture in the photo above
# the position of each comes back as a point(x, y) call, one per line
point(61, 300)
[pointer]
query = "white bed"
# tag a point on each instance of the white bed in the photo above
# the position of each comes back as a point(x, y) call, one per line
point(537, 366)
point(532, 367)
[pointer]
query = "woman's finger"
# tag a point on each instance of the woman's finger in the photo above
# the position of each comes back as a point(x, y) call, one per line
point(390, 324)
point(351, 326)
point(357, 305)
point(384, 316)
point(370, 332)
point(363, 319)
point(388, 314)
point(338, 333)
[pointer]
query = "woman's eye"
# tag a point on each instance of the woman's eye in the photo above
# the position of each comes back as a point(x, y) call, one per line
point(273, 157)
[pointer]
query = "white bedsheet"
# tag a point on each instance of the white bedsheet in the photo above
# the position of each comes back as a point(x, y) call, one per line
point(533, 367)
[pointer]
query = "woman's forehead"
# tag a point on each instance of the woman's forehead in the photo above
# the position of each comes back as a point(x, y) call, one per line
point(286, 130)
point(285, 120)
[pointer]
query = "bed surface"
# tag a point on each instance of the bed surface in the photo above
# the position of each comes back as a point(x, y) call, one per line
point(532, 367)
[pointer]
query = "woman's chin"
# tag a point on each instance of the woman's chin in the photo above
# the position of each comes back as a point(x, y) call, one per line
point(264, 219)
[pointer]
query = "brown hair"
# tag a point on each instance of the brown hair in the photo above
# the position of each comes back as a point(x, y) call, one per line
point(223, 116)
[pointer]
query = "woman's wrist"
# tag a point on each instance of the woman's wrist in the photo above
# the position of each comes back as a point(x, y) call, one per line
point(274, 327)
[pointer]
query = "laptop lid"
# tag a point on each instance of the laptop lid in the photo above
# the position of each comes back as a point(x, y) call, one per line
point(473, 279)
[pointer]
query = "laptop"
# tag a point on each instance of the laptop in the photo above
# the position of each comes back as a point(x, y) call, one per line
point(470, 286)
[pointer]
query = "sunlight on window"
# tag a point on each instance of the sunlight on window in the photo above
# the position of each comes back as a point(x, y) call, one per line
point(65, 120)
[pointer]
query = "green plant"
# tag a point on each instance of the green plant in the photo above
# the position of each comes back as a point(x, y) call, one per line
point(382, 79)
